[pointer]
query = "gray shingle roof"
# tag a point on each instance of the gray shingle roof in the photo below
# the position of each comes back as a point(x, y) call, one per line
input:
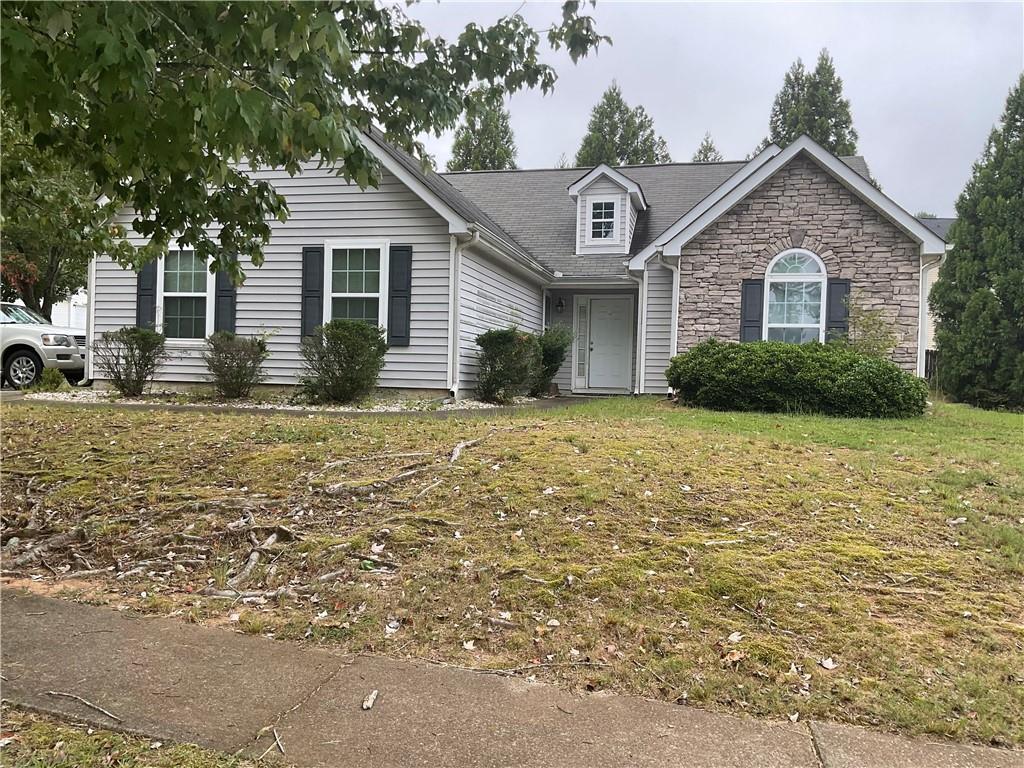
point(939, 226)
point(535, 209)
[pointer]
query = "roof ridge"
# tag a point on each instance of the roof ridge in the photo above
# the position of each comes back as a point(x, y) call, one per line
point(614, 167)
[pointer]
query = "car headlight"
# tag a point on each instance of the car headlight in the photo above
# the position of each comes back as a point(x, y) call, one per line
point(56, 340)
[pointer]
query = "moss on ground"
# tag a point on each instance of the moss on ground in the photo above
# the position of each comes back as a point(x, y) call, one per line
point(34, 741)
point(685, 555)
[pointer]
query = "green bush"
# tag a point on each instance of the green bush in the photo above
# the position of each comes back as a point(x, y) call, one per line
point(343, 360)
point(555, 343)
point(510, 361)
point(235, 363)
point(776, 377)
point(129, 358)
point(50, 380)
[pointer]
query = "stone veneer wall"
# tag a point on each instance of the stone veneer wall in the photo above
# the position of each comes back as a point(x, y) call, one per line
point(801, 206)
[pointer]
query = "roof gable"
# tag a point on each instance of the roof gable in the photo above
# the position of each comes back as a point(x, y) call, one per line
point(636, 193)
point(742, 184)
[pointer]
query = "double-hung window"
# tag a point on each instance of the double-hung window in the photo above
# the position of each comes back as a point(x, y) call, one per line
point(184, 300)
point(355, 277)
point(602, 220)
point(794, 305)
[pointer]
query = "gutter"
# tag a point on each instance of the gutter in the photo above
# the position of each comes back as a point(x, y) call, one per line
point(454, 282)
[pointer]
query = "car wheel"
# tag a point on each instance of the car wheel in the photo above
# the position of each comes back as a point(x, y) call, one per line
point(74, 377)
point(23, 368)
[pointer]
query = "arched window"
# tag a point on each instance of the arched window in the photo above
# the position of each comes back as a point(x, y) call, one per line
point(794, 301)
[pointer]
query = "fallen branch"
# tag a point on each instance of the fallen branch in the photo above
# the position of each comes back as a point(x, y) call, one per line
point(59, 540)
point(254, 557)
point(376, 485)
point(87, 703)
point(458, 449)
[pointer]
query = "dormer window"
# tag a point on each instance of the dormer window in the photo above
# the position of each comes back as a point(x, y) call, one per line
point(603, 220)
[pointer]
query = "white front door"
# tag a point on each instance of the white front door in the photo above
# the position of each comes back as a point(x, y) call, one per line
point(611, 343)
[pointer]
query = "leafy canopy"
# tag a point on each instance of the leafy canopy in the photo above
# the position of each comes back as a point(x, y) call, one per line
point(979, 296)
point(484, 142)
point(707, 152)
point(620, 135)
point(813, 103)
point(164, 101)
point(52, 224)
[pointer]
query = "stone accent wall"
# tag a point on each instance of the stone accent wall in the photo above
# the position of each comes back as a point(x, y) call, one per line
point(801, 206)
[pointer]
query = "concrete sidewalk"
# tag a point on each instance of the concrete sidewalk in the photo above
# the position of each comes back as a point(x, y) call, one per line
point(174, 681)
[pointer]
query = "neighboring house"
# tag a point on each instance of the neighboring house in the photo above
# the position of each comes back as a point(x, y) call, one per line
point(931, 273)
point(70, 313)
point(640, 261)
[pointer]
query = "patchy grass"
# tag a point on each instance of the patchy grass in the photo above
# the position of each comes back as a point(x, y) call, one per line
point(34, 741)
point(707, 558)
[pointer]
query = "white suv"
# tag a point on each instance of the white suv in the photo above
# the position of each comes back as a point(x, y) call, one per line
point(30, 343)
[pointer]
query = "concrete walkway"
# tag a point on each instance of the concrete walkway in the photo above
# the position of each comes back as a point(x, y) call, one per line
point(169, 680)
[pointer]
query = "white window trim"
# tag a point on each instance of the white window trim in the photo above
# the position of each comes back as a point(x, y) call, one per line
point(382, 289)
point(211, 290)
point(589, 238)
point(821, 277)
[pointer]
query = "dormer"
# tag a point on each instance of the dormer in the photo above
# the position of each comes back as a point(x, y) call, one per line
point(607, 204)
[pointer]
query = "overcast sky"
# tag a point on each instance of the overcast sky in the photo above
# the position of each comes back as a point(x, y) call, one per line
point(926, 81)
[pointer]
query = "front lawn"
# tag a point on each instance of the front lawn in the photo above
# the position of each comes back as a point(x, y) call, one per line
point(863, 571)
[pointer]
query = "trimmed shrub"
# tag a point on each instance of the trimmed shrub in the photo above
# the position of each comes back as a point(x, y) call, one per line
point(235, 363)
point(343, 360)
point(807, 378)
point(555, 343)
point(50, 380)
point(510, 360)
point(129, 358)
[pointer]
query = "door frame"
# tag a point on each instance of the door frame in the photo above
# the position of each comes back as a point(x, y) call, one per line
point(579, 383)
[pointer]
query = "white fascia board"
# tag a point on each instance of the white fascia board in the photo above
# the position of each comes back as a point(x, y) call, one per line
point(840, 171)
point(456, 224)
point(634, 190)
point(640, 259)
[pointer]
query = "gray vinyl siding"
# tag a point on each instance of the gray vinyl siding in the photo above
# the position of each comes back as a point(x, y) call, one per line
point(658, 332)
point(491, 296)
point(323, 207)
point(602, 187)
point(564, 377)
point(632, 225)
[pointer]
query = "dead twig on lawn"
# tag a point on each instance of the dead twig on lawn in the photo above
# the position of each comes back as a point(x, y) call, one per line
point(458, 449)
point(87, 703)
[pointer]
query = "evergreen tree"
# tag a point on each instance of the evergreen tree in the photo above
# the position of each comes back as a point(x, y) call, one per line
point(813, 103)
point(619, 135)
point(484, 142)
point(979, 296)
point(707, 152)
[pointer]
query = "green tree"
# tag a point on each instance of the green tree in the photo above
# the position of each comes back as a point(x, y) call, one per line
point(169, 105)
point(620, 135)
point(813, 103)
point(707, 152)
point(52, 224)
point(925, 215)
point(484, 142)
point(979, 296)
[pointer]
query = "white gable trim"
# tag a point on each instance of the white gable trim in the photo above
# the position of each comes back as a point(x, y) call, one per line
point(656, 245)
point(931, 244)
point(636, 194)
point(456, 224)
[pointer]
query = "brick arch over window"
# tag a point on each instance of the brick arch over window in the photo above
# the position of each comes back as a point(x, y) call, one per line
point(797, 238)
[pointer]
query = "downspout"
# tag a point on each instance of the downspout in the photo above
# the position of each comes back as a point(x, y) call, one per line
point(454, 281)
point(673, 341)
point(922, 312)
point(638, 360)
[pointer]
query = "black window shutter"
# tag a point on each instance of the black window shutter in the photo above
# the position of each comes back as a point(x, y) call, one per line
point(145, 296)
point(312, 288)
point(399, 295)
point(751, 310)
point(837, 310)
point(224, 301)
